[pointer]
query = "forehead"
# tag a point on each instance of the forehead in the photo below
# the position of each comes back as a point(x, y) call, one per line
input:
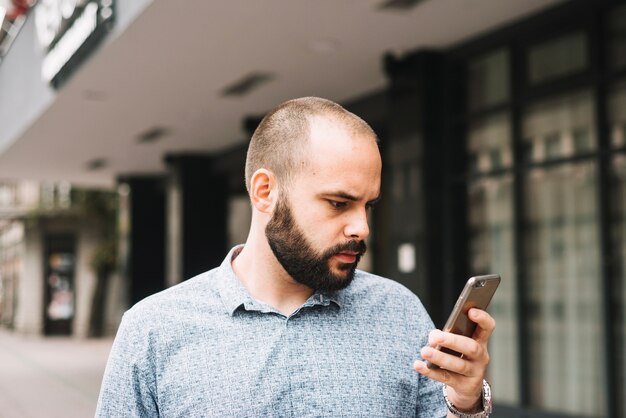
point(329, 135)
point(342, 158)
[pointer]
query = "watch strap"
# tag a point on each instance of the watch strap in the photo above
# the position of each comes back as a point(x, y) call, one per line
point(486, 403)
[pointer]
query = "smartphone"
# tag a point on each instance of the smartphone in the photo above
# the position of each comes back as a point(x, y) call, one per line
point(477, 293)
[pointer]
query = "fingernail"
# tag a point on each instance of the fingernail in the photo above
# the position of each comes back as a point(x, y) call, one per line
point(427, 352)
point(474, 313)
point(436, 337)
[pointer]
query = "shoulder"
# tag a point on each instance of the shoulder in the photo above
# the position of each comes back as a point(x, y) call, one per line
point(197, 293)
point(161, 322)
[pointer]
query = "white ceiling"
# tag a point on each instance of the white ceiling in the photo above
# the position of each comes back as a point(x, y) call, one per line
point(169, 66)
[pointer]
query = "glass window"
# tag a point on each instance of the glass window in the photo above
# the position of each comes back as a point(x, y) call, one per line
point(582, 140)
point(617, 115)
point(489, 144)
point(618, 230)
point(491, 251)
point(560, 128)
point(617, 35)
point(562, 254)
point(617, 123)
point(556, 58)
point(488, 80)
point(491, 243)
point(562, 259)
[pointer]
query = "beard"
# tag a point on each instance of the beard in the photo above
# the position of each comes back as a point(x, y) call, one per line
point(301, 261)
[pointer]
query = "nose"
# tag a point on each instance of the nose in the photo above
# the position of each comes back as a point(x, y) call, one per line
point(357, 226)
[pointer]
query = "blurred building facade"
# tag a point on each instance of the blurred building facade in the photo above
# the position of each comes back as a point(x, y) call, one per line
point(47, 278)
point(504, 152)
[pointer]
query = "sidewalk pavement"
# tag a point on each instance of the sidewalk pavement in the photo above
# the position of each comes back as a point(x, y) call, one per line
point(50, 376)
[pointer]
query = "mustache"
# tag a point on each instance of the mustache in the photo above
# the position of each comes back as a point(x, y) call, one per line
point(354, 246)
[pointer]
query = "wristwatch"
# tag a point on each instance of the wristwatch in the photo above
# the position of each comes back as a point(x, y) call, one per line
point(487, 404)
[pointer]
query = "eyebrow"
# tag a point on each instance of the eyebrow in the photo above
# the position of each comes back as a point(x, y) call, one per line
point(352, 198)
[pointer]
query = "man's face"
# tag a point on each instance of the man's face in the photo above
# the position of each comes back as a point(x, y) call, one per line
point(317, 231)
point(306, 264)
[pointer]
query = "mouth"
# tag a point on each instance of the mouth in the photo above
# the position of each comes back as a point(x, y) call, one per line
point(347, 257)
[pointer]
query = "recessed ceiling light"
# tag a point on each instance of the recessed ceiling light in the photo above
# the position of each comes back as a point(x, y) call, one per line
point(96, 164)
point(399, 4)
point(152, 135)
point(247, 84)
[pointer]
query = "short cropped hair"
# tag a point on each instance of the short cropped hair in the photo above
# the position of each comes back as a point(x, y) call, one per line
point(279, 143)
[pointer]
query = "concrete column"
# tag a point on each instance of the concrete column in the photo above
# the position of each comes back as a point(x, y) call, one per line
point(88, 239)
point(29, 299)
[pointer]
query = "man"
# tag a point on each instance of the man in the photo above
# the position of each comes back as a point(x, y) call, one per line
point(286, 326)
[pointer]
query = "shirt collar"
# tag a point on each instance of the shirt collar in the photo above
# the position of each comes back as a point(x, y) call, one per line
point(234, 295)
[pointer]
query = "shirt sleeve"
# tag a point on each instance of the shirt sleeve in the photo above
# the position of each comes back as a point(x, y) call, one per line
point(430, 401)
point(129, 384)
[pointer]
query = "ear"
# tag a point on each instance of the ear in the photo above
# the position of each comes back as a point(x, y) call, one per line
point(263, 190)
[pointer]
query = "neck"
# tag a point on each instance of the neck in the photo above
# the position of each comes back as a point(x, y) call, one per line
point(265, 278)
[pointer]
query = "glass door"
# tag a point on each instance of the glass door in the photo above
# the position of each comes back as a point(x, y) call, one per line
point(60, 265)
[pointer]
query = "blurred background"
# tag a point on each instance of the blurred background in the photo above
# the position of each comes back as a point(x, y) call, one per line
point(123, 130)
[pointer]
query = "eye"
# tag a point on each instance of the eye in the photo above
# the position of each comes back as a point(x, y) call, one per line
point(336, 204)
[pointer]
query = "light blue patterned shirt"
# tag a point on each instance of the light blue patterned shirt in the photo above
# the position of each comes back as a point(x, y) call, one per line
point(206, 348)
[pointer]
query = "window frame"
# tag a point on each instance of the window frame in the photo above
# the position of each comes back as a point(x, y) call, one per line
point(590, 18)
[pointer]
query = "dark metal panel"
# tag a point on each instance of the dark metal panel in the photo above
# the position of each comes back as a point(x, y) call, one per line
point(413, 188)
point(204, 212)
point(603, 161)
point(517, 65)
point(146, 246)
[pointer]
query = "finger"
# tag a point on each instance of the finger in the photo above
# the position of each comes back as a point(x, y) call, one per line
point(486, 324)
point(448, 362)
point(440, 375)
point(466, 346)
